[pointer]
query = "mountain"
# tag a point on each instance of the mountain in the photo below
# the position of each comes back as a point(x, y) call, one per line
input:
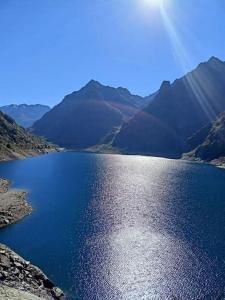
point(16, 142)
point(213, 146)
point(176, 113)
point(89, 116)
point(198, 137)
point(25, 115)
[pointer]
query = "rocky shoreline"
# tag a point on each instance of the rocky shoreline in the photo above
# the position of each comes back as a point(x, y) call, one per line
point(23, 154)
point(220, 163)
point(19, 279)
point(17, 273)
point(13, 204)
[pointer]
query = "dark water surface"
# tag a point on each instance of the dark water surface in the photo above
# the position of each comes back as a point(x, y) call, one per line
point(122, 227)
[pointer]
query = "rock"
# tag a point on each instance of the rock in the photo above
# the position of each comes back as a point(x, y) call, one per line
point(48, 284)
point(21, 274)
point(4, 261)
point(10, 293)
point(4, 185)
point(5, 274)
point(16, 272)
point(6, 221)
point(2, 276)
point(18, 265)
point(57, 293)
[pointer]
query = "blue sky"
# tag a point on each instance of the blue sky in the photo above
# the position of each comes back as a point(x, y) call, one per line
point(49, 48)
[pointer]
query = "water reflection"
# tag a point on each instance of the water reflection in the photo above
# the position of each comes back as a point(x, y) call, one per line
point(122, 227)
point(136, 246)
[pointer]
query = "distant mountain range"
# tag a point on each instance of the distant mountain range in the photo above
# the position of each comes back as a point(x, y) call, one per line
point(178, 118)
point(89, 116)
point(25, 115)
point(16, 142)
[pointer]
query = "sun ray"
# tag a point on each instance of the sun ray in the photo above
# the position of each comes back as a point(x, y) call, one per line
point(196, 84)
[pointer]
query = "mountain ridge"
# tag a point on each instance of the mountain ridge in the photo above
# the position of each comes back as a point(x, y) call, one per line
point(181, 109)
point(85, 117)
point(25, 114)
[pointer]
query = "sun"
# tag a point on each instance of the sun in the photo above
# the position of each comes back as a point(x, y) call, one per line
point(154, 3)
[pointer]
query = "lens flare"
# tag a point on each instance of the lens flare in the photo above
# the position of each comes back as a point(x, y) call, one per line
point(154, 3)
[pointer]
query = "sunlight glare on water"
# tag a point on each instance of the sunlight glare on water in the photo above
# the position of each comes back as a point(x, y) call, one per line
point(122, 227)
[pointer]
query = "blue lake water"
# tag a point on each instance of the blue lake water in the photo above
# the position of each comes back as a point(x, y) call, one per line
point(122, 227)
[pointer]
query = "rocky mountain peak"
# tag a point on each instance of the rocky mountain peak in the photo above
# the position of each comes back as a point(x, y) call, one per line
point(214, 60)
point(165, 87)
point(92, 84)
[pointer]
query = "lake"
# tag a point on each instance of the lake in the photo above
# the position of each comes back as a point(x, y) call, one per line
point(122, 227)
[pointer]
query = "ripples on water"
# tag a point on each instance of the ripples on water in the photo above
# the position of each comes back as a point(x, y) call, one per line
point(123, 227)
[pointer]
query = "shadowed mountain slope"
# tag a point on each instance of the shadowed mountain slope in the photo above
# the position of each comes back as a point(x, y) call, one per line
point(85, 117)
point(176, 113)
